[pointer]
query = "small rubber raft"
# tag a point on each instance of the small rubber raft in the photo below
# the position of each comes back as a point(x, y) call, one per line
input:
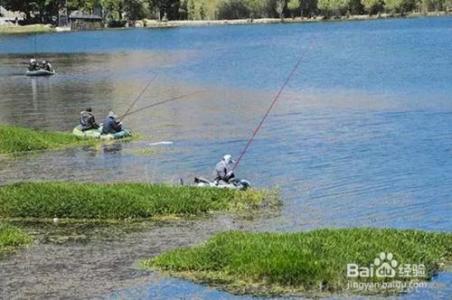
point(40, 72)
point(97, 134)
point(236, 184)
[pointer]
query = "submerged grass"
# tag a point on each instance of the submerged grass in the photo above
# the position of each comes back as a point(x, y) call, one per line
point(301, 263)
point(11, 238)
point(118, 200)
point(14, 140)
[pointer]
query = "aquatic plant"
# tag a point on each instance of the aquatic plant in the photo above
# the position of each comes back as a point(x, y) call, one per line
point(118, 200)
point(12, 238)
point(17, 139)
point(303, 262)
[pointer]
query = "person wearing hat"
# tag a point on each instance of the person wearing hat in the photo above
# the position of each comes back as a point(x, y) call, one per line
point(33, 65)
point(87, 120)
point(111, 124)
point(46, 65)
point(224, 170)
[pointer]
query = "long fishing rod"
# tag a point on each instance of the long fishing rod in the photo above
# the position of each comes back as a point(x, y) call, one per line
point(35, 45)
point(275, 99)
point(161, 102)
point(138, 97)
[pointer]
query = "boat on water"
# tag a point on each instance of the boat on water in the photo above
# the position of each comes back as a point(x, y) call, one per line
point(40, 72)
point(236, 184)
point(97, 134)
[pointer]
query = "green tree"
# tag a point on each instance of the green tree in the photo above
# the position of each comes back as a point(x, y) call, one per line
point(372, 6)
point(136, 9)
point(432, 5)
point(113, 9)
point(170, 8)
point(191, 9)
point(257, 8)
point(448, 5)
point(18, 5)
point(233, 9)
point(308, 8)
point(280, 8)
point(399, 6)
point(41, 10)
point(355, 7)
point(333, 7)
point(293, 6)
point(202, 11)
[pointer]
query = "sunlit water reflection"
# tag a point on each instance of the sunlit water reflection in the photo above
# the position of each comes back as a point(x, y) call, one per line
point(361, 137)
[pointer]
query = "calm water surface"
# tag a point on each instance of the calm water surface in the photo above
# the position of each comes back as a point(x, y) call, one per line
point(361, 137)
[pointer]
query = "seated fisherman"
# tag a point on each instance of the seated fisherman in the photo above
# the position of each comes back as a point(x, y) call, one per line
point(46, 65)
point(33, 65)
point(87, 120)
point(224, 170)
point(111, 124)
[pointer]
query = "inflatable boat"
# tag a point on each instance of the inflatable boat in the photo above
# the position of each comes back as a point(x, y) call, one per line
point(40, 72)
point(237, 184)
point(97, 134)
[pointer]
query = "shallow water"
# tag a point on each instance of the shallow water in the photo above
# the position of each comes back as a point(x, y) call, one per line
point(361, 137)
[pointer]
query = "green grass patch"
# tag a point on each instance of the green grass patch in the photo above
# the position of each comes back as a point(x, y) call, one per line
point(311, 263)
point(12, 238)
point(14, 140)
point(36, 28)
point(118, 200)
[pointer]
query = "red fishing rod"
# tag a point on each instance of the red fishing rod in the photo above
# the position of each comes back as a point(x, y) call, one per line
point(275, 99)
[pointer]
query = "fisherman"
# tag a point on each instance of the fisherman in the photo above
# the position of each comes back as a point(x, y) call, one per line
point(111, 124)
point(87, 120)
point(46, 65)
point(33, 65)
point(224, 169)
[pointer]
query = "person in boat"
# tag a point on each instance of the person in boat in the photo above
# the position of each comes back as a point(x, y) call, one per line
point(46, 65)
point(224, 170)
point(33, 65)
point(87, 120)
point(111, 124)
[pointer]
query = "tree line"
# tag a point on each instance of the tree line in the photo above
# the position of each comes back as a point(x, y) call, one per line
point(46, 11)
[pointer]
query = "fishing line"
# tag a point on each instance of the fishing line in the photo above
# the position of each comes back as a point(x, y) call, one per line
point(161, 102)
point(138, 97)
point(275, 99)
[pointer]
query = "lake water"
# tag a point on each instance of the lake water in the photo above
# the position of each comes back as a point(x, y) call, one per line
point(362, 136)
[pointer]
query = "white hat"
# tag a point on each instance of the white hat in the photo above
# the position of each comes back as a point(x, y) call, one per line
point(228, 158)
point(112, 115)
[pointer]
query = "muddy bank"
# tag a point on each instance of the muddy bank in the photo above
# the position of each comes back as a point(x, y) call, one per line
point(86, 261)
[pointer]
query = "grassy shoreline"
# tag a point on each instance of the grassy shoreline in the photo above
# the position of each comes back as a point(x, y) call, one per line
point(304, 263)
point(118, 201)
point(15, 140)
point(147, 23)
point(25, 29)
point(12, 238)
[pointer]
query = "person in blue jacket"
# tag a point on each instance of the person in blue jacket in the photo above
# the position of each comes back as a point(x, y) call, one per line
point(112, 124)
